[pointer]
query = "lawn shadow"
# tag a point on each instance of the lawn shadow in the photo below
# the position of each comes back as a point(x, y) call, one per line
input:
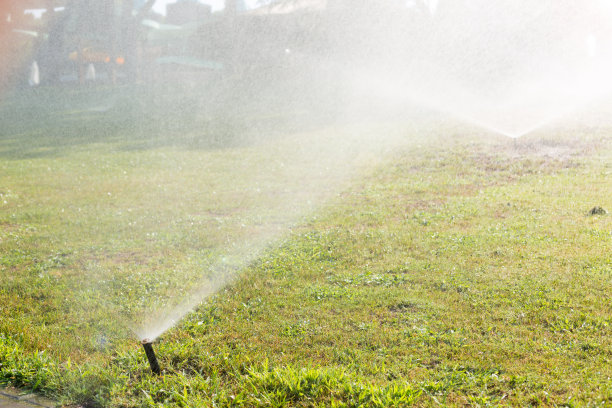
point(218, 114)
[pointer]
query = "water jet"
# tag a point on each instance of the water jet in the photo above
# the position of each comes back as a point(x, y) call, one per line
point(148, 347)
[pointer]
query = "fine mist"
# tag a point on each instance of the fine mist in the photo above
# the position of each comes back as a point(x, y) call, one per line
point(252, 116)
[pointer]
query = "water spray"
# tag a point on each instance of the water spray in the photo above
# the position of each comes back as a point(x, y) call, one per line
point(148, 346)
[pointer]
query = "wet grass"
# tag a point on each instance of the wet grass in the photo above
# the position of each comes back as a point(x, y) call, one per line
point(464, 269)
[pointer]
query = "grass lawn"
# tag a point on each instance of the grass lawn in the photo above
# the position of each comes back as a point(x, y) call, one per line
point(385, 263)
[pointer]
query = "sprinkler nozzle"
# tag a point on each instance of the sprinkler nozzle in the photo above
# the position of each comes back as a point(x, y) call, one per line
point(148, 346)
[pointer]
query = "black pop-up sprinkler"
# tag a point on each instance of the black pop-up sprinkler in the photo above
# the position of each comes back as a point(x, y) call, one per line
point(148, 346)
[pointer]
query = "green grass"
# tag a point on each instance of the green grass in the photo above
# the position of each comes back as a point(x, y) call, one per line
point(460, 269)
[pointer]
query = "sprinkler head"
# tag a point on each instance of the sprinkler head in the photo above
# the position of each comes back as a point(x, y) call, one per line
point(148, 346)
